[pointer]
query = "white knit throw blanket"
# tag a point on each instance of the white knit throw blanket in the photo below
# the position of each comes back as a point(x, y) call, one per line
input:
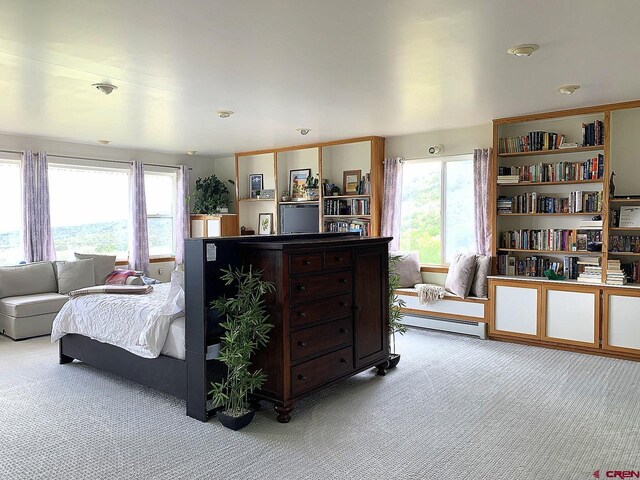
point(428, 293)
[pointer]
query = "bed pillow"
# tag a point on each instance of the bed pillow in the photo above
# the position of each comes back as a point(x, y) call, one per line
point(74, 275)
point(103, 265)
point(479, 286)
point(461, 272)
point(175, 298)
point(407, 266)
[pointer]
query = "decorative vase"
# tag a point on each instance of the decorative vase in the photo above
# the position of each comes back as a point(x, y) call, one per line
point(235, 423)
point(312, 193)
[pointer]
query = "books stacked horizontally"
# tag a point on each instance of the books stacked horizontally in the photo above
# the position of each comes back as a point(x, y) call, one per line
point(615, 275)
point(504, 204)
point(508, 179)
point(591, 271)
point(590, 224)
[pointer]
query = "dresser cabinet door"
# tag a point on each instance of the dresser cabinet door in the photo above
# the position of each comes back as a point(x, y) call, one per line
point(371, 304)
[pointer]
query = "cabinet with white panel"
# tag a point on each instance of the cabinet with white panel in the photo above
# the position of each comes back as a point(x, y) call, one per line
point(621, 320)
point(514, 309)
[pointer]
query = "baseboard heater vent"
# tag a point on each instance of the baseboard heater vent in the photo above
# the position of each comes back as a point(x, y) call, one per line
point(478, 329)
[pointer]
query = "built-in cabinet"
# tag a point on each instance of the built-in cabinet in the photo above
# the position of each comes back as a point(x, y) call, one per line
point(222, 225)
point(621, 320)
point(353, 167)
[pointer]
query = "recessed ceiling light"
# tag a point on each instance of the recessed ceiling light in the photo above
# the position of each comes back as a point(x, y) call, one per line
point(523, 50)
point(104, 142)
point(105, 88)
point(303, 131)
point(568, 89)
point(192, 152)
point(224, 113)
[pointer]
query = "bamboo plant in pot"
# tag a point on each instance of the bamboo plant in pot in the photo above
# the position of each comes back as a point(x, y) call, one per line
point(395, 314)
point(246, 328)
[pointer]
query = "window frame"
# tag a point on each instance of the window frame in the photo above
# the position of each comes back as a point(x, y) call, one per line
point(443, 266)
point(173, 173)
point(16, 160)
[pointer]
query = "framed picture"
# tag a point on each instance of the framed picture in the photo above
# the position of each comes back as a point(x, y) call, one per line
point(255, 184)
point(265, 223)
point(297, 183)
point(350, 182)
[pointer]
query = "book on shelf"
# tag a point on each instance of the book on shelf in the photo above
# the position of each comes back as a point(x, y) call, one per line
point(533, 202)
point(548, 239)
point(535, 266)
point(593, 133)
point(351, 225)
point(624, 243)
point(531, 142)
point(349, 206)
point(508, 179)
point(590, 169)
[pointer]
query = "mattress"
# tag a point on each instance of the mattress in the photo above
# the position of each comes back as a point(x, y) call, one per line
point(174, 344)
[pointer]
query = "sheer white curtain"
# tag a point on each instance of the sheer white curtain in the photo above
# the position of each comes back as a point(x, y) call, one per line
point(181, 227)
point(391, 201)
point(37, 235)
point(481, 165)
point(138, 232)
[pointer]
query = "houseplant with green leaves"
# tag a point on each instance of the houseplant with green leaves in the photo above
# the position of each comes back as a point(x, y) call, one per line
point(211, 195)
point(246, 329)
point(395, 313)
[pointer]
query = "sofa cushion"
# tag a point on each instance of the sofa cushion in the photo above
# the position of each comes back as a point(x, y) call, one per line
point(75, 275)
point(407, 266)
point(479, 286)
point(30, 305)
point(103, 265)
point(27, 279)
point(460, 275)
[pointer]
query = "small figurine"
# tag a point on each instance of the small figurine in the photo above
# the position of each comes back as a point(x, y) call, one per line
point(612, 186)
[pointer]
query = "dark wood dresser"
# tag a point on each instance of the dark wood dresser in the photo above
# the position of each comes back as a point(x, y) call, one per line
point(329, 312)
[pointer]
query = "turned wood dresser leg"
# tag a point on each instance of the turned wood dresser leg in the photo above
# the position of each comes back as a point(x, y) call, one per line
point(283, 413)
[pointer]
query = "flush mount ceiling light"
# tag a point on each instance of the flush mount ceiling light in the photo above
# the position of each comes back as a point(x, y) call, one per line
point(568, 89)
point(303, 131)
point(105, 88)
point(224, 113)
point(104, 142)
point(523, 50)
point(191, 152)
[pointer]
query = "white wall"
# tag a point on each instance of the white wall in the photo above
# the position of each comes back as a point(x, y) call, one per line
point(625, 145)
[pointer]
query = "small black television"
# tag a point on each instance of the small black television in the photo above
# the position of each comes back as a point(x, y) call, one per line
point(302, 218)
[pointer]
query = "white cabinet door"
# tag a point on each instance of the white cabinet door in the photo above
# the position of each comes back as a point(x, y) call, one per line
point(571, 316)
point(515, 310)
point(621, 321)
point(214, 228)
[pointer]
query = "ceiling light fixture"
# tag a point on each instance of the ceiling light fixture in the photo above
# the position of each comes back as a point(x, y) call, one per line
point(105, 88)
point(191, 152)
point(224, 113)
point(568, 89)
point(303, 131)
point(104, 142)
point(523, 50)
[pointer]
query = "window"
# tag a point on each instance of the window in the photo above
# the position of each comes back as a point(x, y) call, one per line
point(11, 251)
point(160, 195)
point(437, 217)
point(89, 210)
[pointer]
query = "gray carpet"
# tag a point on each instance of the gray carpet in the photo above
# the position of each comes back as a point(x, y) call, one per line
point(456, 407)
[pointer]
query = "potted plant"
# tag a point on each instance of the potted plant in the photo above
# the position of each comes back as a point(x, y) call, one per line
point(312, 187)
point(395, 314)
point(211, 195)
point(246, 328)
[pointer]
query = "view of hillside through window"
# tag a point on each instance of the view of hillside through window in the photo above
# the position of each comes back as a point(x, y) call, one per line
point(11, 250)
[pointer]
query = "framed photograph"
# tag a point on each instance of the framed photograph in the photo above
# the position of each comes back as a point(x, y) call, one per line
point(581, 242)
point(255, 184)
point(297, 183)
point(350, 181)
point(265, 223)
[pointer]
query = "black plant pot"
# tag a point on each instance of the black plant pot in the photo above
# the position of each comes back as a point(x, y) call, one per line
point(394, 359)
point(235, 423)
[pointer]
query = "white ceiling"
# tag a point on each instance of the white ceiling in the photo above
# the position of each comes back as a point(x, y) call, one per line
point(342, 68)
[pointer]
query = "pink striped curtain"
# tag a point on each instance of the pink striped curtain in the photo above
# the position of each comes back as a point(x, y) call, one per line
point(481, 165)
point(181, 222)
point(36, 219)
point(138, 232)
point(391, 201)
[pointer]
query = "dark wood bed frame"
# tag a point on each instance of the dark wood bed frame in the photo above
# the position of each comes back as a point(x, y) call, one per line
point(189, 379)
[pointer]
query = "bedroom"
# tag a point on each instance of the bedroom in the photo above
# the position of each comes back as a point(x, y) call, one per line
point(418, 74)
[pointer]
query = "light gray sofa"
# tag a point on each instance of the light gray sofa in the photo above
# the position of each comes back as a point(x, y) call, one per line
point(29, 300)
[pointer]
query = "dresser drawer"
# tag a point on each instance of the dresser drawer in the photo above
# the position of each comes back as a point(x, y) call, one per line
point(303, 262)
point(339, 258)
point(314, 373)
point(321, 337)
point(322, 285)
point(326, 308)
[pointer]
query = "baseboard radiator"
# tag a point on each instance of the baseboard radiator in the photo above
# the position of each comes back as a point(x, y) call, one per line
point(478, 329)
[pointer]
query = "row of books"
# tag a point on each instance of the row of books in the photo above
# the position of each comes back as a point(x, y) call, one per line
point(593, 133)
point(532, 141)
point(362, 226)
point(535, 266)
point(624, 243)
point(532, 202)
point(353, 206)
point(591, 273)
point(631, 271)
point(566, 240)
point(591, 169)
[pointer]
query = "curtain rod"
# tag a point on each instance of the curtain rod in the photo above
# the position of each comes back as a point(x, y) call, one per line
point(70, 157)
point(436, 158)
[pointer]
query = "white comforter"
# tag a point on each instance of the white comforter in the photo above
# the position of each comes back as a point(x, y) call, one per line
point(137, 323)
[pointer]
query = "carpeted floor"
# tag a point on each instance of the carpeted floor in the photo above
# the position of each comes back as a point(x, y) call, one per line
point(456, 407)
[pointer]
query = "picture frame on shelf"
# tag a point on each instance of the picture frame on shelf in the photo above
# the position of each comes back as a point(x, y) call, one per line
point(255, 184)
point(298, 183)
point(350, 181)
point(265, 223)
